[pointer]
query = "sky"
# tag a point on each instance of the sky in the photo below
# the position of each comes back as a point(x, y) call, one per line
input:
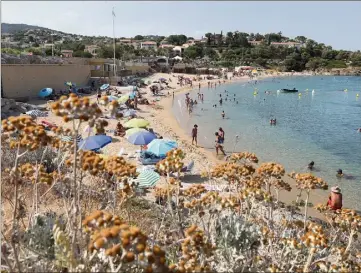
point(335, 23)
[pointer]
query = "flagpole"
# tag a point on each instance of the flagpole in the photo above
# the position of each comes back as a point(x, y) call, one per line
point(113, 15)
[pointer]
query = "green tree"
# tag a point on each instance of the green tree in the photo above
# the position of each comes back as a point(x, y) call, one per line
point(177, 39)
point(194, 52)
point(209, 37)
point(138, 37)
point(315, 63)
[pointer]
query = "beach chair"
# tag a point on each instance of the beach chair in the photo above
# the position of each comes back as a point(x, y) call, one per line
point(185, 170)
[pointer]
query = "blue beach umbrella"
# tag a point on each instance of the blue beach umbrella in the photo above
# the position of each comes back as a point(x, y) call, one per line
point(141, 138)
point(160, 147)
point(94, 142)
point(45, 92)
point(104, 86)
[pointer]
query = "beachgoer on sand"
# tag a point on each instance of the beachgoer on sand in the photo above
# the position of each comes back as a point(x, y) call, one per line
point(195, 134)
point(219, 144)
point(335, 198)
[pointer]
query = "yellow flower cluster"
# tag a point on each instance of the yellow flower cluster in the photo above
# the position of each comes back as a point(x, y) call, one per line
point(27, 172)
point(281, 184)
point(206, 201)
point(271, 169)
point(164, 192)
point(30, 134)
point(232, 171)
point(342, 266)
point(172, 163)
point(129, 243)
point(314, 236)
point(73, 107)
point(194, 191)
point(113, 165)
point(348, 219)
point(307, 181)
point(255, 193)
point(251, 157)
point(193, 247)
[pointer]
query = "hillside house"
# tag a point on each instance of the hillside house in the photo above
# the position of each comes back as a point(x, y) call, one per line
point(148, 45)
point(92, 49)
point(67, 53)
point(287, 44)
point(130, 42)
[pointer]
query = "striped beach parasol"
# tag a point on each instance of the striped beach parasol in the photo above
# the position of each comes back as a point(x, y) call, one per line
point(37, 113)
point(147, 179)
point(70, 138)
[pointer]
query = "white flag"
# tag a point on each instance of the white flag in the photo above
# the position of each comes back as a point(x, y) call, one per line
point(113, 12)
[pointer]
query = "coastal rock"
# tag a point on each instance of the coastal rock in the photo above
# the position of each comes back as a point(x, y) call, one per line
point(10, 107)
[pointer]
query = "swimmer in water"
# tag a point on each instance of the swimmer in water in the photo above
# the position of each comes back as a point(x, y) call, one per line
point(237, 101)
point(310, 165)
point(223, 114)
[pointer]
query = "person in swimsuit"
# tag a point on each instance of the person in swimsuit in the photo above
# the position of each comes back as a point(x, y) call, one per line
point(221, 134)
point(335, 199)
point(219, 144)
point(223, 114)
point(194, 133)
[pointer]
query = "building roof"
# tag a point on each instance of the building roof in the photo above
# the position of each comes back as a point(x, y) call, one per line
point(149, 43)
point(66, 51)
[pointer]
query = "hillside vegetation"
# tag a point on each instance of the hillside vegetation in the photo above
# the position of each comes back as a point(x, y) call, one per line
point(271, 50)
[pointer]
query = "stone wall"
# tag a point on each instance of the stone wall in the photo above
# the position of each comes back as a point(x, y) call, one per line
point(26, 80)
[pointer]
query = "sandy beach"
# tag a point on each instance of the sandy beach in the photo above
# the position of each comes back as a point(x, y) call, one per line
point(163, 122)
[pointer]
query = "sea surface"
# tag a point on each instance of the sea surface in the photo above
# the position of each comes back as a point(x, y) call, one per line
point(319, 125)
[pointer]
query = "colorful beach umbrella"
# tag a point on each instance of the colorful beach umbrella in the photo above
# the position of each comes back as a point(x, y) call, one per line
point(136, 122)
point(123, 99)
point(141, 138)
point(45, 92)
point(160, 147)
point(134, 130)
point(147, 179)
point(94, 142)
point(104, 86)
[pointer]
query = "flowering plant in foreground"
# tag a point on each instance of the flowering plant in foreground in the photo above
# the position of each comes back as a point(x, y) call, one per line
point(241, 229)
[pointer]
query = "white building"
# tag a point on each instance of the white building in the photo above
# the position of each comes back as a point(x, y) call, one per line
point(148, 45)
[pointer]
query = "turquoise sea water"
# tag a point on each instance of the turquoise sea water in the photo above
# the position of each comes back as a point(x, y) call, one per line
point(319, 126)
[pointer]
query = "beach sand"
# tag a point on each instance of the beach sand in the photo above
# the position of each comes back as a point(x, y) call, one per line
point(163, 122)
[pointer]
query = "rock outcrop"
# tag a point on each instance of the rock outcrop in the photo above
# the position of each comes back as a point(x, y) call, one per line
point(10, 107)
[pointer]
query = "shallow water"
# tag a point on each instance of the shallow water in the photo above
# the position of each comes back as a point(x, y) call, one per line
point(319, 126)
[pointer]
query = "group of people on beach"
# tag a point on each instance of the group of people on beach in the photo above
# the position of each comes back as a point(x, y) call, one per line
point(218, 141)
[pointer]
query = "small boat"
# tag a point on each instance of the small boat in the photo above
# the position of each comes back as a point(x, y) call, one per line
point(294, 90)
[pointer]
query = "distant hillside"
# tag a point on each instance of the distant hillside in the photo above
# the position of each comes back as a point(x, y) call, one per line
point(13, 28)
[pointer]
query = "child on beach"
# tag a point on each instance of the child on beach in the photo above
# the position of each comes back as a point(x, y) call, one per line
point(194, 133)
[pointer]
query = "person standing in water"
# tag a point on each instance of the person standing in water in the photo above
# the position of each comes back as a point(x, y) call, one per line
point(220, 101)
point(199, 86)
point(221, 134)
point(223, 114)
point(195, 134)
